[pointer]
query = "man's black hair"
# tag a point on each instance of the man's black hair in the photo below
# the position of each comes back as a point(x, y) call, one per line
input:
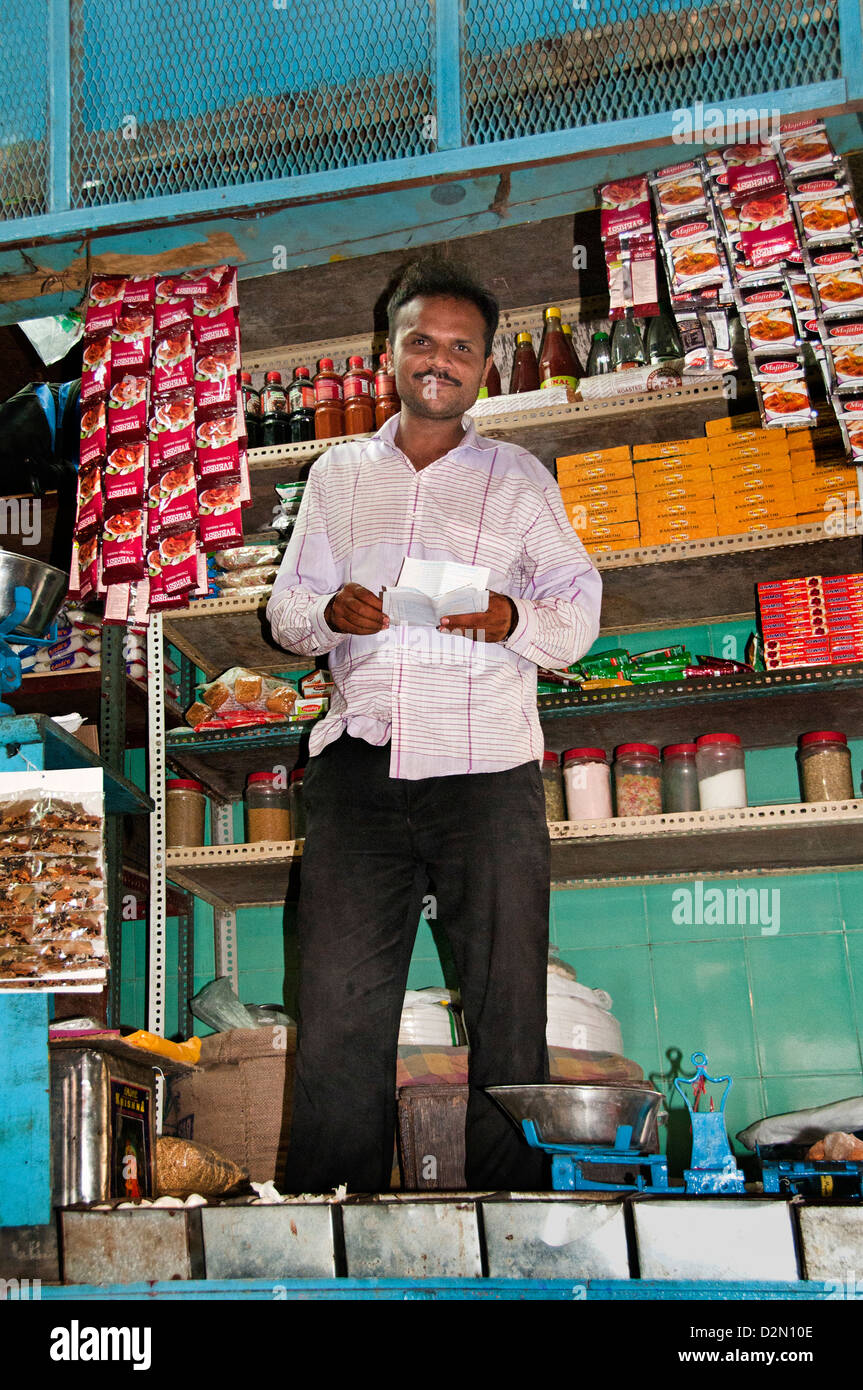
point(435, 276)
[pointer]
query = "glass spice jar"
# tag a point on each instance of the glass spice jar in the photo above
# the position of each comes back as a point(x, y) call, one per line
point(679, 779)
point(721, 772)
point(637, 780)
point(268, 813)
point(552, 784)
point(824, 762)
point(587, 780)
point(185, 805)
point(295, 799)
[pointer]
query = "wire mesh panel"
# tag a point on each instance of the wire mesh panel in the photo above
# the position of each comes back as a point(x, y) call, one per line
point(531, 68)
point(173, 96)
point(24, 109)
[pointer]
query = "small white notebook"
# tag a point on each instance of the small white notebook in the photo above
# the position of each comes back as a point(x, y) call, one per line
point(428, 590)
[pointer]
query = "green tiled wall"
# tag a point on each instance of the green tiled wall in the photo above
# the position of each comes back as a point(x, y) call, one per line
point(781, 1010)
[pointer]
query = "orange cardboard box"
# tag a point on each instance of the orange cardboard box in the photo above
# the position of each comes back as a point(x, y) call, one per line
point(690, 487)
point(742, 526)
point(725, 467)
point(623, 531)
point(775, 486)
point(594, 546)
point(736, 439)
point(609, 487)
point(668, 447)
point(804, 470)
point(653, 474)
point(653, 509)
point(602, 511)
point(663, 533)
point(616, 454)
point(741, 453)
point(593, 473)
point(727, 424)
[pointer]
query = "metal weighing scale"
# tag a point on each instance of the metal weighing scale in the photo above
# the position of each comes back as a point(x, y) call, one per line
point(30, 596)
point(712, 1164)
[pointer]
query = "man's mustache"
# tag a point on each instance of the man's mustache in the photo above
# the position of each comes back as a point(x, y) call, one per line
point(436, 376)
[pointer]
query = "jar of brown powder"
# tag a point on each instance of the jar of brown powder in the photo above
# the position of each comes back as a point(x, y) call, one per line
point(268, 812)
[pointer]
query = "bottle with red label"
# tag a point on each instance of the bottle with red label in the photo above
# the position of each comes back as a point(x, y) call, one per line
point(525, 369)
point(359, 400)
point(387, 401)
point(251, 410)
point(329, 401)
point(274, 411)
point(301, 404)
point(556, 366)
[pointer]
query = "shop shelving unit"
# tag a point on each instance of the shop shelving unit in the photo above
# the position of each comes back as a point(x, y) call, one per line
point(694, 582)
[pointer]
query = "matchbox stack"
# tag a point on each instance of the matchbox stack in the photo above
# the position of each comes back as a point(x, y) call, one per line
point(811, 621)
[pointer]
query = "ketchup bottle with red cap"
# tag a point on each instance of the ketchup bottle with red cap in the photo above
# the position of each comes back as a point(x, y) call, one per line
point(329, 401)
point(359, 401)
point(387, 401)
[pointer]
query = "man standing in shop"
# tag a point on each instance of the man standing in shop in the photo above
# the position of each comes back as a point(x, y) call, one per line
point(423, 784)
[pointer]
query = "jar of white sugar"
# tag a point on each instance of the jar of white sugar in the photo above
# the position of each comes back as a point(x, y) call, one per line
point(720, 761)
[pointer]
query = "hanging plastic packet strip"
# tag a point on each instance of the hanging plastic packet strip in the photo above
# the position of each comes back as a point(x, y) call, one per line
point(178, 498)
point(216, 379)
point(631, 271)
point(221, 522)
point(624, 208)
point(128, 408)
point(104, 304)
point(94, 434)
point(679, 190)
point(96, 367)
point(173, 360)
point(217, 441)
point(171, 311)
point(783, 395)
point(802, 298)
point(838, 279)
point(718, 334)
point(825, 209)
point(179, 562)
point(131, 342)
point(125, 476)
point(140, 290)
point(768, 317)
point(123, 547)
point(171, 429)
point(843, 342)
point(803, 146)
point(84, 566)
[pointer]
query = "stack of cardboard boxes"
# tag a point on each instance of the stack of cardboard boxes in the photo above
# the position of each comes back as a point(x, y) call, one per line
point(809, 621)
point(736, 479)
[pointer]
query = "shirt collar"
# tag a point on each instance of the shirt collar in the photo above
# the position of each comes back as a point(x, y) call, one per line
point(386, 436)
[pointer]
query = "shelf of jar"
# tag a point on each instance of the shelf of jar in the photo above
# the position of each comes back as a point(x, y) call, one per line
point(719, 844)
point(699, 844)
point(235, 876)
point(223, 758)
point(767, 709)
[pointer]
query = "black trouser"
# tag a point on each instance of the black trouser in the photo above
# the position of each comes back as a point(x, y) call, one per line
point(375, 846)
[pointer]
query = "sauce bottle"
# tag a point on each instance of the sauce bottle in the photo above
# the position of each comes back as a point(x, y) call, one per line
point(555, 362)
point(567, 333)
point(627, 349)
point(525, 369)
point(599, 361)
point(329, 405)
point(301, 404)
point(274, 411)
point(359, 404)
point(251, 410)
point(387, 401)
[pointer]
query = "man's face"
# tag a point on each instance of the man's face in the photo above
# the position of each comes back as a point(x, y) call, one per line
point(438, 353)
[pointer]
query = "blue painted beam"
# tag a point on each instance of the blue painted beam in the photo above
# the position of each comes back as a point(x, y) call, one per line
point(528, 150)
point(448, 105)
point(25, 1176)
point(446, 1290)
point(60, 106)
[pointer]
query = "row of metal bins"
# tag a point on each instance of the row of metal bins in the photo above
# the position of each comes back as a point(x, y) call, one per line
point(530, 1237)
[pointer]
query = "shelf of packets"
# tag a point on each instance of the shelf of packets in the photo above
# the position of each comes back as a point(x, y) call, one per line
point(737, 477)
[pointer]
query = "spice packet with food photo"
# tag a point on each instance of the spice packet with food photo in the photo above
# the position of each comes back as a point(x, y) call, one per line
point(94, 434)
point(825, 210)
point(128, 403)
point(96, 367)
point(123, 547)
point(125, 476)
point(216, 378)
point(241, 691)
point(140, 291)
point(131, 342)
point(171, 429)
point(171, 311)
point(90, 508)
point(767, 317)
point(746, 181)
point(173, 360)
point(624, 208)
point(217, 441)
point(804, 146)
point(843, 344)
point(782, 391)
point(220, 521)
point(178, 497)
point(104, 303)
point(849, 413)
point(178, 559)
point(838, 279)
point(679, 189)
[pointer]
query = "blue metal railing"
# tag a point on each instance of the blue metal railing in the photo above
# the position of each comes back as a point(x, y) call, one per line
point(107, 105)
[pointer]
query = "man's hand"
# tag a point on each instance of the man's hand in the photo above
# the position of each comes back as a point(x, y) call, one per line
point(355, 609)
point(497, 622)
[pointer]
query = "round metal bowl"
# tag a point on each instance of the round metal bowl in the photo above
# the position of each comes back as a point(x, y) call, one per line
point(584, 1112)
point(47, 586)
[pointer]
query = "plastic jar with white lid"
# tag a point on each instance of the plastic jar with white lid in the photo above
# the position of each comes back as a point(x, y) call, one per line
point(185, 807)
point(721, 767)
point(637, 780)
point(679, 779)
point(587, 780)
point(824, 759)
